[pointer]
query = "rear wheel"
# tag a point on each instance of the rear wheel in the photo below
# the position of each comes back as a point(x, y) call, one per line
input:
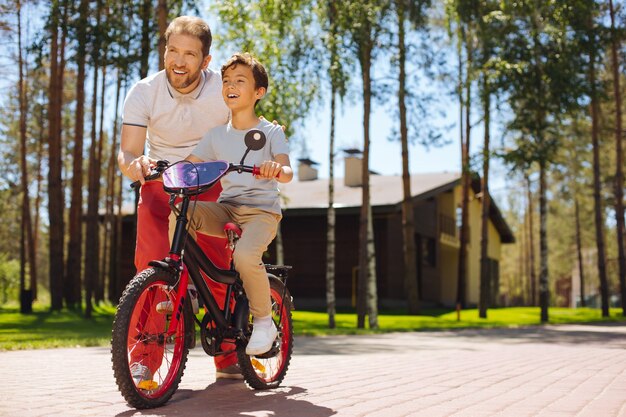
point(147, 363)
point(268, 370)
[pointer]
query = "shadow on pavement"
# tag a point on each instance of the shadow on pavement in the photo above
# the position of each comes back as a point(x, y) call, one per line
point(234, 399)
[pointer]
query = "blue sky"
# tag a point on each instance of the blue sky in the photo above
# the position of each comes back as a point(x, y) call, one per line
point(385, 155)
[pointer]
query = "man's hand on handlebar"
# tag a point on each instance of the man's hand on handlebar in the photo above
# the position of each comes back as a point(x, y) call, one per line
point(141, 167)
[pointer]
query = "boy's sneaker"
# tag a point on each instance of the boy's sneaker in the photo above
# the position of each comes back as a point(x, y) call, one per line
point(262, 338)
point(167, 307)
point(230, 372)
point(140, 373)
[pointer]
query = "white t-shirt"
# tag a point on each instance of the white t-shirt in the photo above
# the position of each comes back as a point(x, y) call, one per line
point(225, 143)
point(175, 121)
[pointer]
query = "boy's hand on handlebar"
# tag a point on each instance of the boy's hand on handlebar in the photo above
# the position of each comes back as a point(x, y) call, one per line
point(269, 170)
point(140, 168)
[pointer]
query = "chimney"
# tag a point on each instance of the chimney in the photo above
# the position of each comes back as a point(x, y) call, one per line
point(353, 168)
point(306, 171)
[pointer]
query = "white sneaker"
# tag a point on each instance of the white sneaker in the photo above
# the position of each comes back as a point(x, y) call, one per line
point(167, 307)
point(140, 373)
point(262, 338)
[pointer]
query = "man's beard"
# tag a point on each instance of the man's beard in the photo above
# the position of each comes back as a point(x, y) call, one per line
point(182, 82)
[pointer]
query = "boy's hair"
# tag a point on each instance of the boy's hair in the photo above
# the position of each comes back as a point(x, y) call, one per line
point(192, 26)
point(258, 71)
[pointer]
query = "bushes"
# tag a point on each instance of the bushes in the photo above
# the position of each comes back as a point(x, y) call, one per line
point(9, 279)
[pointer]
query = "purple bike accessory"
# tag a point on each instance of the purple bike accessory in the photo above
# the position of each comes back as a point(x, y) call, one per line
point(186, 175)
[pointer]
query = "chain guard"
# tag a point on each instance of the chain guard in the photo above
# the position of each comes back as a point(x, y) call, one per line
point(209, 336)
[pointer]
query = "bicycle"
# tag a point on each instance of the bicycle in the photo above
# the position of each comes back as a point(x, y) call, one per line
point(155, 313)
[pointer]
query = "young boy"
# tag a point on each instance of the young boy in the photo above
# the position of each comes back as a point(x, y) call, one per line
point(252, 203)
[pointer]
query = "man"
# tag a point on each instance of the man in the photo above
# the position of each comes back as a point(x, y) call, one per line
point(170, 111)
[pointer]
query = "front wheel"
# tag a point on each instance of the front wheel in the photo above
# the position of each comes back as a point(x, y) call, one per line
point(268, 370)
point(147, 362)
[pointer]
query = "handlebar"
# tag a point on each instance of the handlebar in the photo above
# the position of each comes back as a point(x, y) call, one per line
point(156, 173)
point(254, 170)
point(163, 165)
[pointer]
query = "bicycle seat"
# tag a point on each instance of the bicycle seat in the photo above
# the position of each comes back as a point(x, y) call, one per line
point(232, 227)
point(233, 233)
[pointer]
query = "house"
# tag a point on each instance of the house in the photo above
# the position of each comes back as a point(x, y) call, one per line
point(436, 201)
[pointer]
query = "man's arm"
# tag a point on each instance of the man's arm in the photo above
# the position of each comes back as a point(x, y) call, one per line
point(131, 160)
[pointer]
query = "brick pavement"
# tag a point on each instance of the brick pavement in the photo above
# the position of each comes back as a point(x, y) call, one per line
point(551, 371)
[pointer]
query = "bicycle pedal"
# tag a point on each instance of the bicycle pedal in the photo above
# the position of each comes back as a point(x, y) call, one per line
point(258, 366)
point(148, 385)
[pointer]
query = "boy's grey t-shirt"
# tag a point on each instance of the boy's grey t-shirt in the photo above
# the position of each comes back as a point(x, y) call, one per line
point(225, 143)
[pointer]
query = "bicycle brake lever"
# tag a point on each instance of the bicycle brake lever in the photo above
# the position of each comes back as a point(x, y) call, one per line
point(161, 166)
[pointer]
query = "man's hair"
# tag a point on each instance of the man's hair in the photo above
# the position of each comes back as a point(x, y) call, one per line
point(258, 71)
point(192, 26)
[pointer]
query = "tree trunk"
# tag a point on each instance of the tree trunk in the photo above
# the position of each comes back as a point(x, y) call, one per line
point(92, 251)
point(146, 32)
point(544, 289)
point(365, 57)
point(465, 187)
point(73, 268)
point(597, 198)
point(619, 161)
point(27, 244)
point(111, 217)
point(539, 136)
point(162, 12)
point(408, 217)
point(531, 245)
point(372, 291)
point(485, 276)
point(330, 228)
point(99, 294)
point(330, 219)
point(579, 253)
point(55, 180)
point(38, 192)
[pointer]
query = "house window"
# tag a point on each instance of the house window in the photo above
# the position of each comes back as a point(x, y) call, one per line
point(494, 280)
point(429, 257)
point(426, 250)
point(459, 225)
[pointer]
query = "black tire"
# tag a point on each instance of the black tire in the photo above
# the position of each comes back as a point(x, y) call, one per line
point(138, 330)
point(268, 370)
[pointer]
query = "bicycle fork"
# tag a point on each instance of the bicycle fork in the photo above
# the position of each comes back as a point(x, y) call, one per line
point(179, 304)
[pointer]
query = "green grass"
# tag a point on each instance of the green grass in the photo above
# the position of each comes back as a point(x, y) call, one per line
point(44, 329)
point(316, 323)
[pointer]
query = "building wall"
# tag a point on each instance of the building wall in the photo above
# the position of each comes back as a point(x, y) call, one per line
point(304, 246)
point(493, 249)
point(449, 253)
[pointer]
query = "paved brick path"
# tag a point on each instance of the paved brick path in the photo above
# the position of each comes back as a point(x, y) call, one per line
point(553, 371)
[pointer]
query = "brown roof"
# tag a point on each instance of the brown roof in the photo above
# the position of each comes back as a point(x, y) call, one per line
point(384, 190)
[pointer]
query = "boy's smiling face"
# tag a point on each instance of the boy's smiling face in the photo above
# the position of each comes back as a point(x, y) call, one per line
point(239, 89)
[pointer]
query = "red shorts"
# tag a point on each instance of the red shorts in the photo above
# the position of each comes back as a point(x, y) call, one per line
point(153, 243)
